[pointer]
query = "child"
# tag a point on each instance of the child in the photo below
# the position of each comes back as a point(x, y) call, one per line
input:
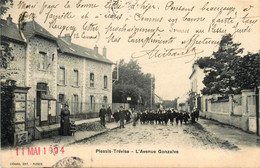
point(72, 127)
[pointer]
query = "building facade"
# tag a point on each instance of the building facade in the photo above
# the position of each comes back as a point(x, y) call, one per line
point(196, 86)
point(56, 71)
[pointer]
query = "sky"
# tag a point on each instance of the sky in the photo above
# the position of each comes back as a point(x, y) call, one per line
point(171, 73)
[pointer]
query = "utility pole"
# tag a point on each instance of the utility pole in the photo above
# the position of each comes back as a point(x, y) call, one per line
point(151, 103)
point(117, 74)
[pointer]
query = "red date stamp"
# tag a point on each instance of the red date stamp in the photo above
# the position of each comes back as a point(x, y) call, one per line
point(33, 151)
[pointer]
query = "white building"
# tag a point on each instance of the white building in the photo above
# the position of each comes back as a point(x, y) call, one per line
point(196, 84)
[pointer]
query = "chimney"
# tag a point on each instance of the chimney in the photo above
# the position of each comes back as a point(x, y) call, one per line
point(95, 50)
point(9, 20)
point(67, 38)
point(105, 51)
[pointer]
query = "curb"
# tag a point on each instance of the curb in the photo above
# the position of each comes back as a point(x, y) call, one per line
point(83, 139)
point(99, 133)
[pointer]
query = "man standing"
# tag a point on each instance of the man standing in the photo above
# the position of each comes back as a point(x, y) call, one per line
point(109, 113)
point(122, 117)
point(134, 116)
point(102, 115)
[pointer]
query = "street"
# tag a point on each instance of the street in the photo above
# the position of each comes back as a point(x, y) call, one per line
point(202, 144)
point(198, 136)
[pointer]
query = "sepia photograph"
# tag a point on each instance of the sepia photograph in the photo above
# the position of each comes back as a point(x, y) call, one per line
point(130, 83)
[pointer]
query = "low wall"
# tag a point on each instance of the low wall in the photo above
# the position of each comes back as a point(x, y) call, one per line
point(239, 121)
point(221, 117)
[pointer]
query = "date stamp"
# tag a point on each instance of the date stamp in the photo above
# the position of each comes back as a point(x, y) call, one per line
point(34, 151)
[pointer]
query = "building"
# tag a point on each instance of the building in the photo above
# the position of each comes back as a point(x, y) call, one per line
point(196, 86)
point(84, 77)
point(157, 99)
point(56, 71)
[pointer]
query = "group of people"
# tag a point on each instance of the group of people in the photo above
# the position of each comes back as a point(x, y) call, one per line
point(122, 115)
point(103, 112)
point(162, 117)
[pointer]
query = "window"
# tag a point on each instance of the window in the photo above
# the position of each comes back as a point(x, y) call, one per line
point(76, 77)
point(105, 82)
point(62, 76)
point(42, 64)
point(76, 103)
point(91, 79)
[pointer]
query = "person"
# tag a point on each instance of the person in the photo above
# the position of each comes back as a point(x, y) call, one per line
point(72, 127)
point(122, 117)
point(197, 114)
point(186, 117)
point(109, 113)
point(193, 116)
point(102, 115)
point(134, 116)
point(65, 120)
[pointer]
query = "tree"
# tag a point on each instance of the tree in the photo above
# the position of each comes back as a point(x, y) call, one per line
point(247, 71)
point(219, 68)
point(6, 58)
point(5, 5)
point(132, 83)
point(5, 54)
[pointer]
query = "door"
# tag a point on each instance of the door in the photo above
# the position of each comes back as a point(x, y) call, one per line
point(41, 89)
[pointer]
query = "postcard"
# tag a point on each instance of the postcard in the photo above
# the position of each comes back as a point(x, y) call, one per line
point(130, 83)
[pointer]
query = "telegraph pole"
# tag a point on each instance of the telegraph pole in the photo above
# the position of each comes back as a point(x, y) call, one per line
point(151, 103)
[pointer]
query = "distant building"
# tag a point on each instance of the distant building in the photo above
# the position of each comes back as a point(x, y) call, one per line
point(157, 99)
point(196, 86)
point(56, 71)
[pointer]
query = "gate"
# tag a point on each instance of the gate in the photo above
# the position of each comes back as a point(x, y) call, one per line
point(252, 113)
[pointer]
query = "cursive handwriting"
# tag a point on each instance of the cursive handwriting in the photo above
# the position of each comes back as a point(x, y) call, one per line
point(174, 53)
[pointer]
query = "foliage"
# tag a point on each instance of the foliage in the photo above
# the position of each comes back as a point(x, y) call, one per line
point(5, 5)
point(132, 83)
point(227, 72)
point(247, 71)
point(6, 56)
point(6, 113)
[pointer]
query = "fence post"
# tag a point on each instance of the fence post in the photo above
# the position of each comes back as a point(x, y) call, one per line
point(231, 107)
point(257, 108)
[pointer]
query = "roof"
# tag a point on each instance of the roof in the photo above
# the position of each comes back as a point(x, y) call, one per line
point(10, 31)
point(32, 28)
point(193, 71)
point(80, 51)
point(158, 96)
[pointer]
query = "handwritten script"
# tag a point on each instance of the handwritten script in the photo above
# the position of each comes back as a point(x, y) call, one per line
point(156, 29)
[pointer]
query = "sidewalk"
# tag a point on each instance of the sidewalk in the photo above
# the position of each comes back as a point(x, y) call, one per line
point(232, 134)
point(78, 137)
